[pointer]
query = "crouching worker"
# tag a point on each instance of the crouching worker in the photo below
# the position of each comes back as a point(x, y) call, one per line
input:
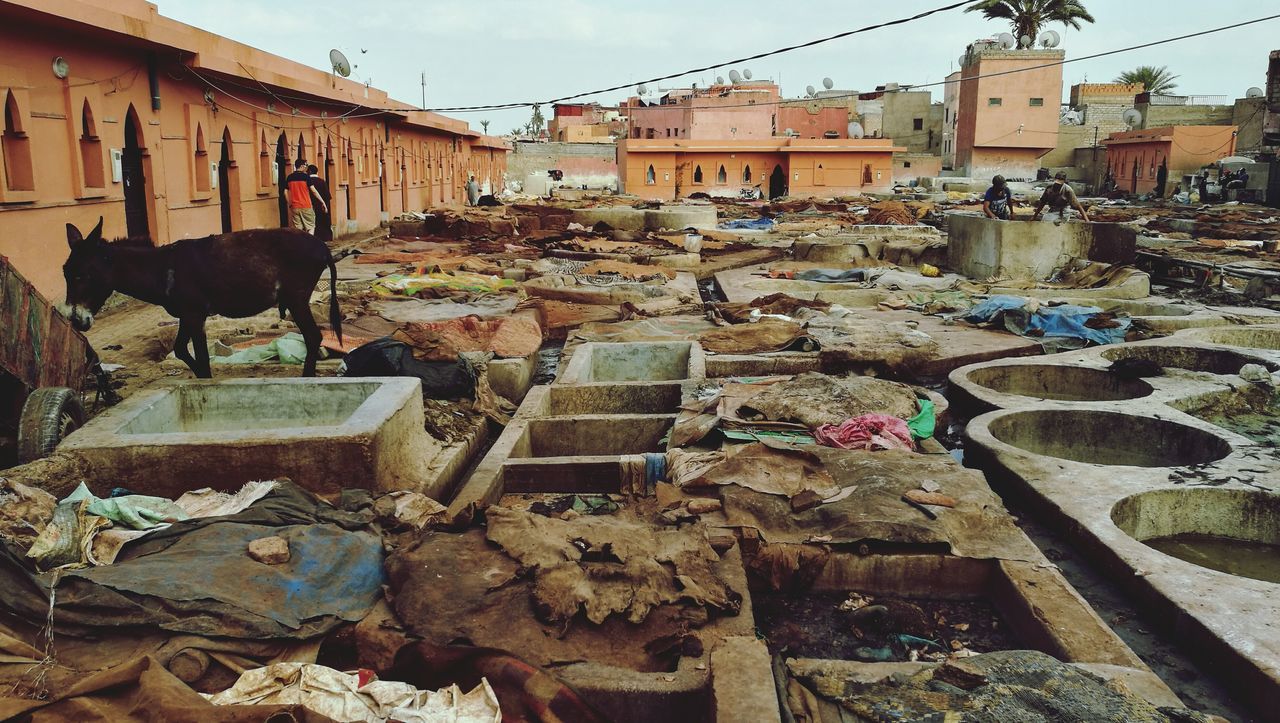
point(998, 201)
point(1060, 198)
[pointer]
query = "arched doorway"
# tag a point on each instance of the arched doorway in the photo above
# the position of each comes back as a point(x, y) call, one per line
point(229, 185)
point(282, 172)
point(133, 175)
point(1133, 183)
point(777, 183)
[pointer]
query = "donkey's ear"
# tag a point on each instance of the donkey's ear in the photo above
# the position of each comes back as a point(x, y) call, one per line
point(73, 236)
point(96, 233)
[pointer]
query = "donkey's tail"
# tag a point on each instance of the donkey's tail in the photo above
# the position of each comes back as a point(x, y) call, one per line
point(335, 315)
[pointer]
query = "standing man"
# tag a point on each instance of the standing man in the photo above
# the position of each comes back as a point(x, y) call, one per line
point(473, 191)
point(1059, 197)
point(298, 190)
point(320, 194)
point(1162, 178)
point(997, 203)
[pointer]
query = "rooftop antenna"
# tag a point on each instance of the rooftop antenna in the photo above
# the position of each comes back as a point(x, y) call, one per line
point(1132, 117)
point(828, 83)
point(1024, 41)
point(719, 80)
point(642, 89)
point(1253, 93)
point(339, 62)
point(735, 77)
point(1050, 39)
point(1006, 40)
point(746, 73)
point(856, 130)
point(809, 91)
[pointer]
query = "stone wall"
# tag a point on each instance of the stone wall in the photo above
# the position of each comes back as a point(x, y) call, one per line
point(592, 164)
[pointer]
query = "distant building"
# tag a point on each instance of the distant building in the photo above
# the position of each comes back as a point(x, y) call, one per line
point(909, 117)
point(1008, 110)
point(741, 110)
point(585, 123)
point(670, 169)
point(821, 117)
point(1134, 157)
point(950, 111)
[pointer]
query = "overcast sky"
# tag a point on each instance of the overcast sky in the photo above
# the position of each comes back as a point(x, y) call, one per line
point(498, 51)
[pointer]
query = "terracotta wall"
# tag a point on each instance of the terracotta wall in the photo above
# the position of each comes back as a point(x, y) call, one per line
point(1009, 137)
point(69, 129)
point(814, 121)
point(1186, 149)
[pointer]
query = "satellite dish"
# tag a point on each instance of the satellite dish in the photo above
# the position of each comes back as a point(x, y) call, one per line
point(963, 60)
point(1132, 117)
point(1024, 42)
point(746, 73)
point(642, 89)
point(1253, 93)
point(735, 76)
point(809, 91)
point(1050, 39)
point(339, 62)
point(855, 130)
point(719, 80)
point(1006, 40)
point(828, 83)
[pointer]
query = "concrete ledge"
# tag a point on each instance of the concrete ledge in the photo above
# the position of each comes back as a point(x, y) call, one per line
point(982, 248)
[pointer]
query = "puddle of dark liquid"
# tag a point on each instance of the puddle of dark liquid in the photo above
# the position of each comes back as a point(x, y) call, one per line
point(548, 363)
point(811, 625)
point(1256, 560)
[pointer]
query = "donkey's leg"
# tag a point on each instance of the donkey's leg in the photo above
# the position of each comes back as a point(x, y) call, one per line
point(201, 344)
point(180, 346)
point(300, 310)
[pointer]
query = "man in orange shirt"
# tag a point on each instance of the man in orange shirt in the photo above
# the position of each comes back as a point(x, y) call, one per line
point(299, 191)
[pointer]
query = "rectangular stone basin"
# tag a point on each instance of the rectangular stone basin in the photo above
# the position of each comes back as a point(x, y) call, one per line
point(324, 434)
point(594, 434)
point(1042, 611)
point(980, 247)
point(635, 362)
point(567, 401)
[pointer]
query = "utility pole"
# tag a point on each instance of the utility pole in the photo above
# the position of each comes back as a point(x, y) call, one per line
point(424, 90)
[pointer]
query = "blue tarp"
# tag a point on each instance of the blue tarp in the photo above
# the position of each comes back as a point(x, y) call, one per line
point(748, 224)
point(1060, 327)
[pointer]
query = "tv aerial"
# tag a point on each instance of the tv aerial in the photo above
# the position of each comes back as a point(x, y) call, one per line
point(340, 64)
point(856, 130)
point(746, 73)
point(642, 89)
point(1006, 40)
point(1132, 117)
point(1025, 41)
point(1253, 93)
point(735, 77)
point(719, 80)
point(810, 91)
point(1050, 39)
point(828, 83)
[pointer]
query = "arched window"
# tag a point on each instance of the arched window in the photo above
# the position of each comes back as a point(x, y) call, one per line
point(18, 172)
point(90, 149)
point(302, 148)
point(722, 177)
point(697, 174)
point(746, 174)
point(650, 177)
point(201, 162)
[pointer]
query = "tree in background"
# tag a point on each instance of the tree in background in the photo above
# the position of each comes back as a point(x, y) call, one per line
point(1158, 81)
point(1028, 17)
point(484, 126)
point(536, 122)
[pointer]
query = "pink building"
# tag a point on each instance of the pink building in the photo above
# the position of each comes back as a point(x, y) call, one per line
point(1009, 104)
point(744, 110)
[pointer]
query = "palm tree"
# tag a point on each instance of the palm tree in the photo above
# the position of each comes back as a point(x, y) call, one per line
point(484, 126)
point(1157, 81)
point(1028, 16)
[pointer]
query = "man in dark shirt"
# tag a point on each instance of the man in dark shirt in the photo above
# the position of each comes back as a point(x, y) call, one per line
point(998, 201)
point(320, 192)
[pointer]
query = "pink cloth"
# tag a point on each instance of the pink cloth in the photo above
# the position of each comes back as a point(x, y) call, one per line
point(870, 431)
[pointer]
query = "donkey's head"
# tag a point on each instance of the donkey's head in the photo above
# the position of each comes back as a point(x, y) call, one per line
point(88, 275)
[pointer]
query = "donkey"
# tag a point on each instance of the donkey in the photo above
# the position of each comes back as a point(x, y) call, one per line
point(235, 274)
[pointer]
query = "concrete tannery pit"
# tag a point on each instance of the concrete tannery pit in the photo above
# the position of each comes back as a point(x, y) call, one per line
point(1248, 337)
point(1108, 438)
point(634, 362)
point(1190, 358)
point(325, 434)
point(1228, 530)
point(1056, 382)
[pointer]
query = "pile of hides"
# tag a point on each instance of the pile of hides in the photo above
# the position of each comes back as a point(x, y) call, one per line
point(1012, 685)
point(891, 213)
point(773, 304)
point(766, 467)
point(814, 399)
point(603, 566)
point(1057, 327)
point(869, 431)
point(764, 336)
point(441, 284)
point(442, 341)
point(355, 698)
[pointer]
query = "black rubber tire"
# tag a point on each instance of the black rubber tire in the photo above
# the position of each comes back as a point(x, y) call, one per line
point(49, 415)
